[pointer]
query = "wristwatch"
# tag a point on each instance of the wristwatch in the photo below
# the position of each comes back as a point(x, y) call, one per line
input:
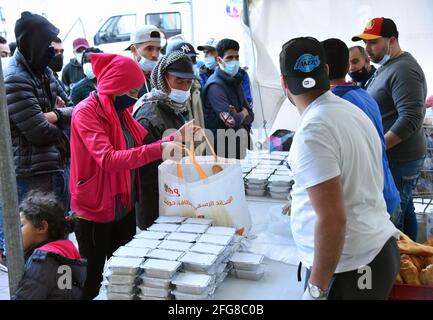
point(316, 292)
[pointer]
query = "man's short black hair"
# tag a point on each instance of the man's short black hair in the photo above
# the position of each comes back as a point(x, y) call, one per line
point(57, 40)
point(225, 45)
point(337, 58)
point(2, 40)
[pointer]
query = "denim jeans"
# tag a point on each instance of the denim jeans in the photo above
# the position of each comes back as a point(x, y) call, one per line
point(406, 176)
point(56, 183)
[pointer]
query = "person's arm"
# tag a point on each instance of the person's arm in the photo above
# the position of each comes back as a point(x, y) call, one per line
point(246, 86)
point(87, 127)
point(328, 203)
point(391, 140)
point(26, 113)
point(221, 104)
point(65, 76)
point(61, 92)
point(38, 280)
point(408, 96)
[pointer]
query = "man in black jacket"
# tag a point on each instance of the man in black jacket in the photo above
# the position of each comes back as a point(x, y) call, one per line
point(73, 71)
point(37, 121)
point(159, 111)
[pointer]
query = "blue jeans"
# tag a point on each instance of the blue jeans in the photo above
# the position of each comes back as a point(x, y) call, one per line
point(56, 183)
point(406, 176)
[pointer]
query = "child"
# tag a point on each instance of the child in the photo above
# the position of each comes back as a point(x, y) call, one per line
point(54, 269)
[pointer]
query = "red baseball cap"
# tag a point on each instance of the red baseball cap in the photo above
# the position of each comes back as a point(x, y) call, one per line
point(80, 43)
point(378, 28)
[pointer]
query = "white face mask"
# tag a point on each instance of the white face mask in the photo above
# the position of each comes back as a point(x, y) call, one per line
point(145, 64)
point(179, 96)
point(79, 57)
point(88, 71)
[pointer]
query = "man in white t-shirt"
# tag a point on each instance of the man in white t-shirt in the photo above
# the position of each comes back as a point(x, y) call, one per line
point(339, 220)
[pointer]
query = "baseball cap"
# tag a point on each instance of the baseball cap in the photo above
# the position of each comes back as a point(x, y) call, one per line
point(181, 68)
point(80, 43)
point(145, 33)
point(303, 64)
point(183, 46)
point(211, 43)
point(378, 28)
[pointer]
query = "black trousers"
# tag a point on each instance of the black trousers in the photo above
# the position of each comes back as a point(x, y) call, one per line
point(351, 285)
point(97, 242)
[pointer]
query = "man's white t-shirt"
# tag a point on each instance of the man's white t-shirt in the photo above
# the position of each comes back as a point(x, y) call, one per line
point(336, 138)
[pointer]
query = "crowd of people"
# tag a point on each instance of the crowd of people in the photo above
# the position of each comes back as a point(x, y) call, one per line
point(87, 146)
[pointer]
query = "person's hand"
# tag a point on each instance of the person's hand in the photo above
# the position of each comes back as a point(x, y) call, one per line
point(59, 102)
point(186, 133)
point(51, 117)
point(232, 109)
point(245, 112)
point(173, 151)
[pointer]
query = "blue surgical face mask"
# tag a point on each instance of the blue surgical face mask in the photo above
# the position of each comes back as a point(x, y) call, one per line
point(124, 101)
point(210, 62)
point(231, 67)
point(385, 58)
point(196, 71)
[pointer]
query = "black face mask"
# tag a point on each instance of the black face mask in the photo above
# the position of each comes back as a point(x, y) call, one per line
point(56, 63)
point(360, 75)
point(124, 101)
point(48, 56)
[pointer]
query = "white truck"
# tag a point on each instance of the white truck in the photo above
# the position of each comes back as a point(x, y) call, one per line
point(193, 20)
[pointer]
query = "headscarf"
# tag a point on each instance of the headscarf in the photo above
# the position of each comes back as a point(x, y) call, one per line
point(158, 80)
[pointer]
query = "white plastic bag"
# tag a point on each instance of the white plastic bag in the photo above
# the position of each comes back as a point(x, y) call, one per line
point(191, 189)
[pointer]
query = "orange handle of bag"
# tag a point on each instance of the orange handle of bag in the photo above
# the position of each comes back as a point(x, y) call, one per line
point(191, 154)
point(201, 173)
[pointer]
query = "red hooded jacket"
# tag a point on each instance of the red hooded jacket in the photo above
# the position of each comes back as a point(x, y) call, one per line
point(100, 162)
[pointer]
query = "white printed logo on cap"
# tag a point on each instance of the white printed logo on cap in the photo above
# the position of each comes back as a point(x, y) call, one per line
point(308, 83)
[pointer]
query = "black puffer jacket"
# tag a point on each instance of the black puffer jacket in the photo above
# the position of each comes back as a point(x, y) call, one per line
point(156, 117)
point(54, 271)
point(39, 147)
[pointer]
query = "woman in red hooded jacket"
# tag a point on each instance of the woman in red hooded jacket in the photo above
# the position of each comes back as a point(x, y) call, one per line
point(106, 152)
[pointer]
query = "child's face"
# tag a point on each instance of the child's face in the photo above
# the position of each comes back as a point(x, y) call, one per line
point(32, 235)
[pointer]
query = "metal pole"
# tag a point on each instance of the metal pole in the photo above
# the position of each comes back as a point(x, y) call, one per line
point(8, 191)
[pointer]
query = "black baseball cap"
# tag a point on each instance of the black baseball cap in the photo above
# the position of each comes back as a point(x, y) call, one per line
point(303, 64)
point(182, 68)
point(183, 46)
